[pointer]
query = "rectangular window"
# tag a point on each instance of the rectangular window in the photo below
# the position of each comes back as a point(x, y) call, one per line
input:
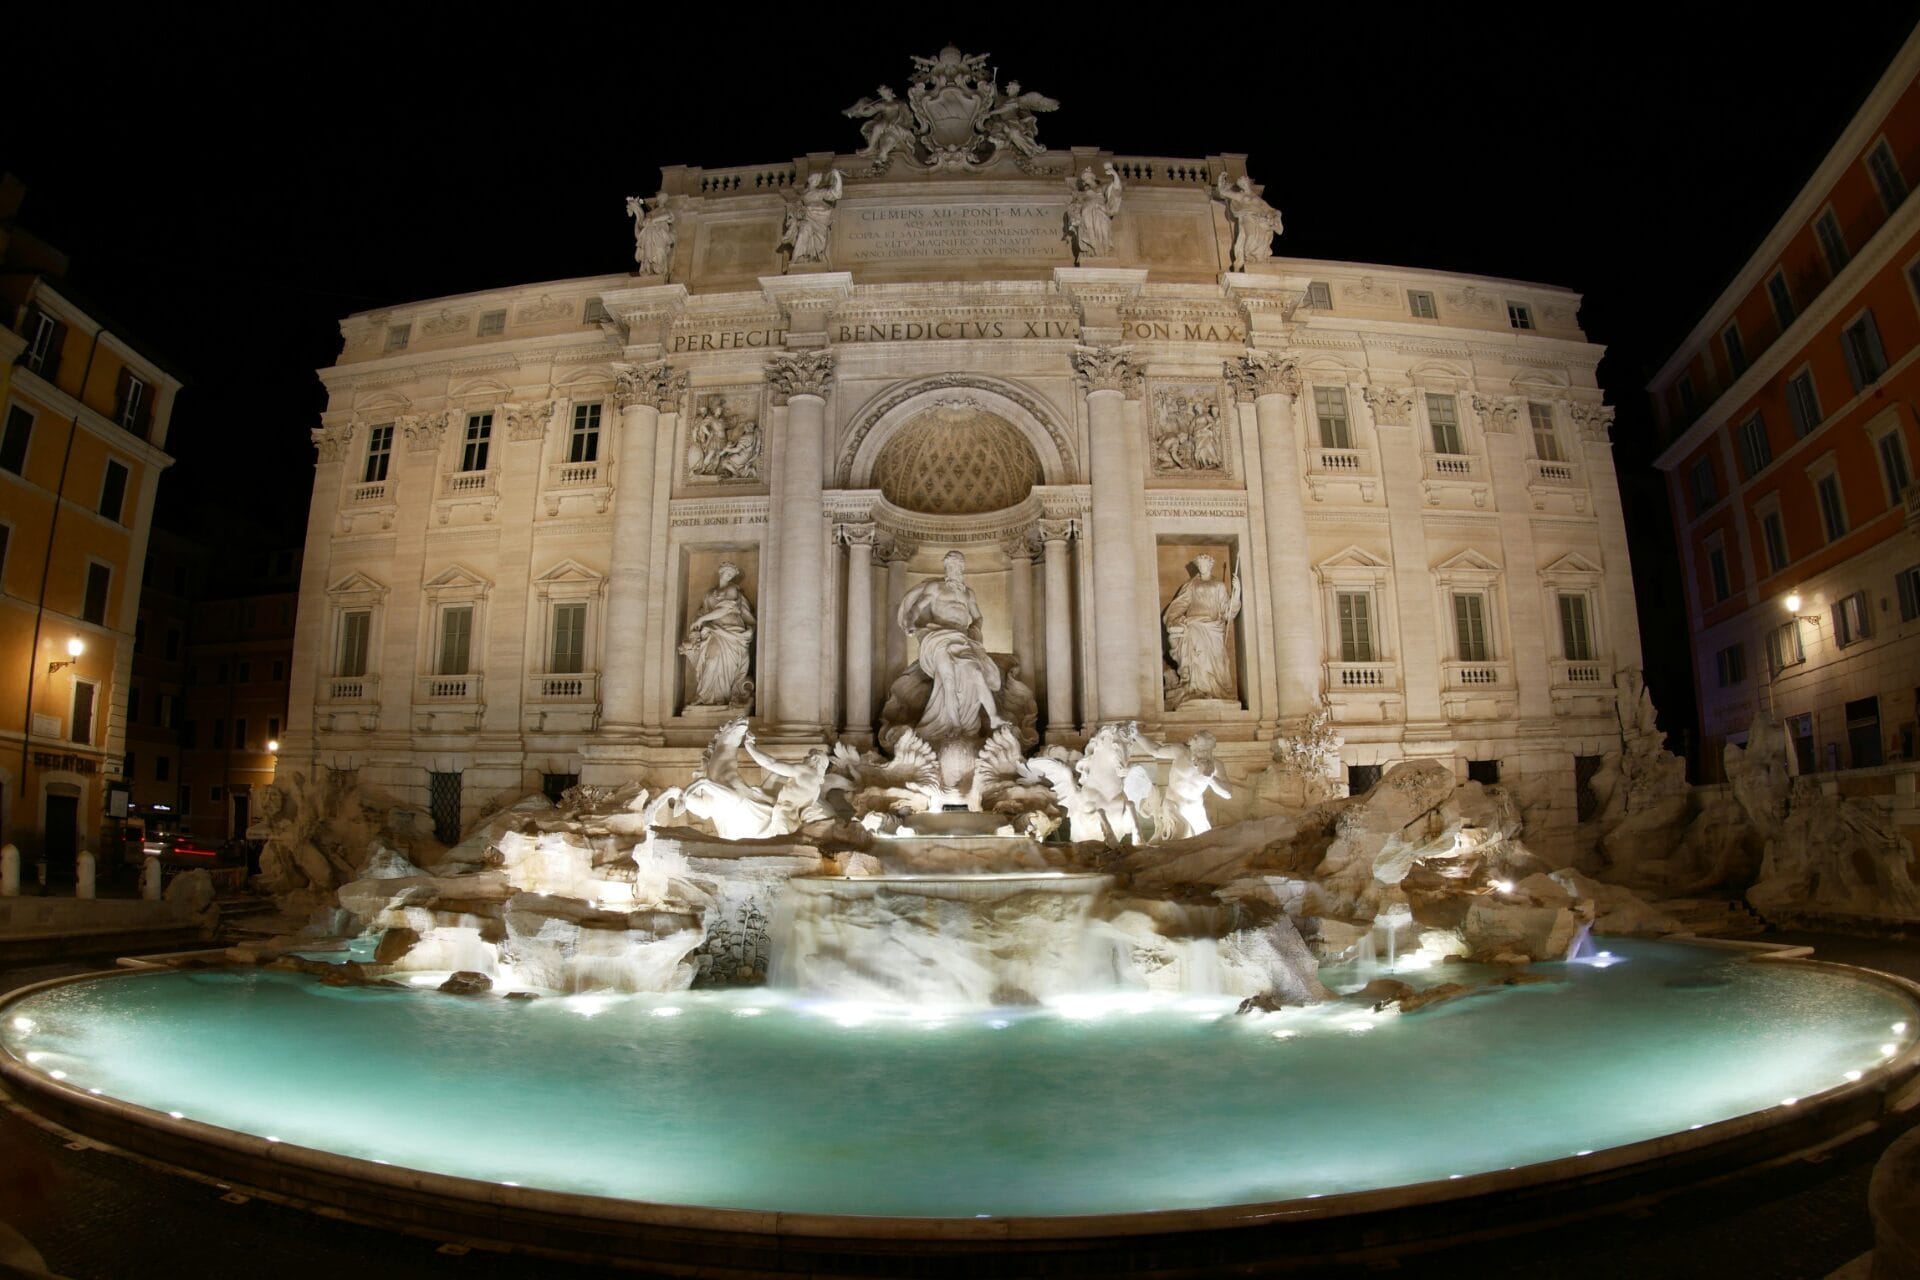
point(1782, 298)
point(1886, 175)
point(130, 403)
point(491, 323)
point(1803, 406)
point(354, 627)
point(1576, 637)
point(1689, 401)
point(279, 671)
point(243, 672)
point(94, 605)
point(1706, 487)
point(1893, 466)
point(584, 444)
point(1420, 303)
point(1731, 663)
point(163, 769)
point(1470, 627)
point(1850, 620)
point(273, 727)
point(379, 453)
point(473, 456)
point(456, 639)
point(1319, 295)
point(5, 532)
point(1546, 444)
point(1826, 229)
point(1755, 452)
point(569, 638)
point(1445, 421)
point(398, 335)
point(133, 705)
point(1736, 350)
point(190, 735)
point(42, 333)
point(1519, 315)
point(1783, 646)
point(113, 491)
point(1866, 359)
point(173, 645)
point(81, 726)
point(1833, 514)
point(240, 733)
point(1330, 407)
point(1717, 571)
point(13, 443)
point(1773, 531)
point(1907, 583)
point(1356, 626)
point(219, 735)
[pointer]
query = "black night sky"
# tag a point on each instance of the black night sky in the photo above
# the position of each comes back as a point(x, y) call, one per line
point(230, 182)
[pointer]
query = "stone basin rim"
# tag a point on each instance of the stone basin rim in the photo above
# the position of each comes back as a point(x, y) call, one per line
point(307, 1173)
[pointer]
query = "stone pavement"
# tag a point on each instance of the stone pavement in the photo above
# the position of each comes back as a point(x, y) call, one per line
point(96, 1215)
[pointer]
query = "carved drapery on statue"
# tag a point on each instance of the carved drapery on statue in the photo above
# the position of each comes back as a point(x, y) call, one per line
point(1198, 622)
point(718, 645)
point(653, 235)
point(809, 223)
point(1255, 222)
point(1092, 205)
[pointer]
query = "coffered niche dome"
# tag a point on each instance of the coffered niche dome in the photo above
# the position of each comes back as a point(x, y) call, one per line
point(956, 460)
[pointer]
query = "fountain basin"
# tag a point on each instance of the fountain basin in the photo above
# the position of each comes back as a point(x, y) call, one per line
point(1131, 1130)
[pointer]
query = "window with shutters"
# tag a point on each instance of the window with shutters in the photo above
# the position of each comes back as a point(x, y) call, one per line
point(44, 337)
point(1803, 405)
point(568, 652)
point(14, 439)
point(1706, 485)
point(1444, 418)
point(80, 724)
point(1420, 305)
point(1866, 359)
point(1755, 452)
point(1717, 573)
point(1783, 646)
point(1887, 178)
point(1519, 315)
point(1330, 410)
point(1319, 295)
point(1773, 534)
point(398, 336)
point(1833, 510)
point(1736, 349)
point(356, 629)
point(130, 407)
point(1891, 448)
point(1833, 246)
point(1907, 585)
point(1731, 665)
point(1850, 619)
point(113, 491)
point(1782, 298)
point(491, 323)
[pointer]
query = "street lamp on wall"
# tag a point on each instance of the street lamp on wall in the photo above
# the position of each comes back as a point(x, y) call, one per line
point(75, 647)
point(1793, 603)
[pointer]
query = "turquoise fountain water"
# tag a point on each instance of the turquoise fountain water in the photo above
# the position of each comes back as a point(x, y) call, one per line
point(1110, 1104)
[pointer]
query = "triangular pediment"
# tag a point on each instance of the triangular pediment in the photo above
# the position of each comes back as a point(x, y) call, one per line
point(383, 406)
point(481, 389)
point(568, 571)
point(1468, 561)
point(1352, 558)
point(1571, 564)
point(1540, 383)
point(356, 583)
point(456, 577)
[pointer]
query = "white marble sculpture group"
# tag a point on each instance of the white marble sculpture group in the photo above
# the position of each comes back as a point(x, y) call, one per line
point(955, 116)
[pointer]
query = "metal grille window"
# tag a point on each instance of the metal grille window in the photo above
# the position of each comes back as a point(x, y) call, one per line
point(491, 323)
point(1470, 627)
point(1420, 303)
point(443, 800)
point(1362, 778)
point(473, 457)
point(353, 642)
point(379, 453)
point(569, 638)
point(1833, 514)
point(1893, 466)
point(1546, 443)
point(1826, 229)
point(398, 336)
point(1886, 176)
point(584, 444)
point(1773, 531)
point(1576, 636)
point(1445, 420)
point(1330, 408)
point(456, 640)
point(1320, 295)
point(1802, 404)
point(1866, 358)
point(1755, 452)
point(1356, 626)
point(1736, 349)
point(1782, 298)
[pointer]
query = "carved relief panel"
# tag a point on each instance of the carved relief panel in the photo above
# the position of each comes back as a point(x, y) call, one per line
point(1189, 431)
point(724, 439)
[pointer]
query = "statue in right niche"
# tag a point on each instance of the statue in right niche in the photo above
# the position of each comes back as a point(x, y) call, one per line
point(719, 644)
point(1197, 622)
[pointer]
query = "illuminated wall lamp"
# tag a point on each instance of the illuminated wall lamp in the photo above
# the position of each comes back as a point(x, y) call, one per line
point(75, 647)
point(1793, 607)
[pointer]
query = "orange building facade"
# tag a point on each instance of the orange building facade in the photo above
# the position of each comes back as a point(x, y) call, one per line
point(1792, 416)
point(83, 424)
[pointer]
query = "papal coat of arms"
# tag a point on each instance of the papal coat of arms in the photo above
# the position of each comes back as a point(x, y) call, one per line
point(956, 116)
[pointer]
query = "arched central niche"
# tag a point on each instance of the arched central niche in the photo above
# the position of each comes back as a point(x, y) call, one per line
point(956, 459)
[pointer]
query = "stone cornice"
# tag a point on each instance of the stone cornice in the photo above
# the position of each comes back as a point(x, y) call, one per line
point(389, 371)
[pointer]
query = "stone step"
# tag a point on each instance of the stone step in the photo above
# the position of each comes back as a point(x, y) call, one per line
point(1715, 917)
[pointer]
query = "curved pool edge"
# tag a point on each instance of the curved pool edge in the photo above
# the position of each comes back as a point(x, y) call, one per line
point(698, 1240)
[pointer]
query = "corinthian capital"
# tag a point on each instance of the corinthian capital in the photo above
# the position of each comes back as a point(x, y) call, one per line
point(655, 385)
point(1392, 406)
point(1057, 530)
point(803, 373)
point(1261, 373)
point(1106, 369)
point(857, 535)
point(331, 442)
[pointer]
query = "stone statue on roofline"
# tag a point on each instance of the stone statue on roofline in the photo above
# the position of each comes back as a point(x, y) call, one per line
point(1091, 208)
point(1255, 222)
point(653, 236)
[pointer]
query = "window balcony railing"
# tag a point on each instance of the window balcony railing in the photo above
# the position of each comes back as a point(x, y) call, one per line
point(1581, 674)
point(455, 688)
point(1341, 462)
point(1553, 475)
point(371, 493)
point(468, 484)
point(1469, 676)
point(1361, 677)
point(351, 689)
point(574, 475)
point(552, 687)
point(1452, 466)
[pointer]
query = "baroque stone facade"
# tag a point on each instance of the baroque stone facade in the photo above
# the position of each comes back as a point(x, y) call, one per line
point(1397, 482)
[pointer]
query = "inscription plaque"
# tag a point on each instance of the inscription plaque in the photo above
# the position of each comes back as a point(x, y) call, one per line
point(1023, 230)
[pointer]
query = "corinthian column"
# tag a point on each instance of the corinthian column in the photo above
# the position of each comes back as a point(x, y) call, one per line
point(1273, 385)
point(1053, 537)
point(858, 644)
point(800, 382)
point(1110, 381)
point(641, 394)
point(897, 553)
point(1020, 600)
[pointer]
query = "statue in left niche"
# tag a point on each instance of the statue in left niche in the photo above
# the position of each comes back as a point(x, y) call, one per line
point(739, 810)
point(1197, 621)
point(810, 218)
point(719, 644)
point(653, 236)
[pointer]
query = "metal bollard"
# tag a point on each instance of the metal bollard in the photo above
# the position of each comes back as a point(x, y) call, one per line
point(83, 884)
point(10, 871)
point(150, 880)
